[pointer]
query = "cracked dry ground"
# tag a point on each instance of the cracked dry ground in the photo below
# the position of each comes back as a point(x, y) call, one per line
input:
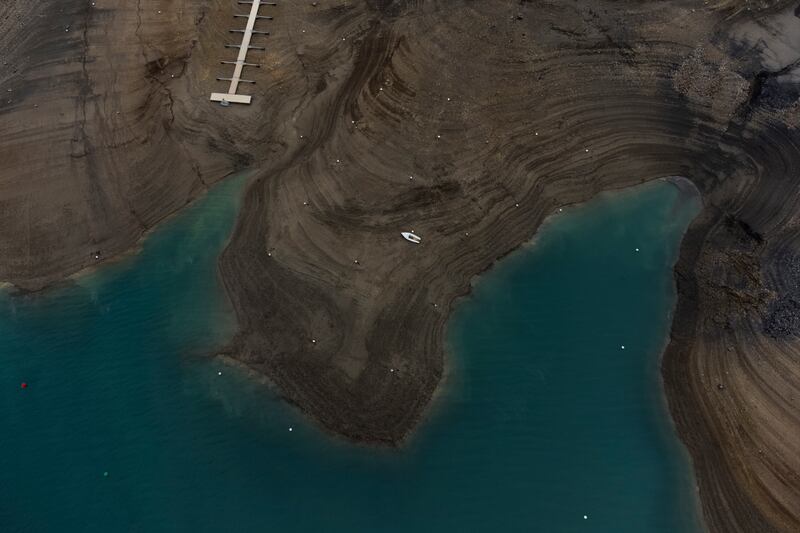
point(501, 111)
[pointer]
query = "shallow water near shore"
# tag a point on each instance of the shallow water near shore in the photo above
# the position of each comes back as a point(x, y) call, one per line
point(544, 418)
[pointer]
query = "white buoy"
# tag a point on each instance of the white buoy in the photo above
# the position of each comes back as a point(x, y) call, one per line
point(585, 517)
point(219, 373)
point(623, 346)
point(291, 429)
point(637, 249)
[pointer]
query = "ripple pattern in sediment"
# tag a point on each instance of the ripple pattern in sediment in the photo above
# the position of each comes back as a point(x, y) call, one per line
point(467, 122)
point(106, 127)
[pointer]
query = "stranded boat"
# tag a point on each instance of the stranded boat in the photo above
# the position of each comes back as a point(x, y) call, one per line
point(410, 237)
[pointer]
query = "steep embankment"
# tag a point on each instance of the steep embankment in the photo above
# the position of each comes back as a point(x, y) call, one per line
point(467, 122)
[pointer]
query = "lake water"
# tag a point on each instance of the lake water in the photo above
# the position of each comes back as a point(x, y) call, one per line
point(543, 419)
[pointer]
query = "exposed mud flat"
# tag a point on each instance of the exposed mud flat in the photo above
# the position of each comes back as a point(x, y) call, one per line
point(466, 122)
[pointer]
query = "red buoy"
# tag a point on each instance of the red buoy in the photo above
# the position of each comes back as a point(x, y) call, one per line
point(24, 385)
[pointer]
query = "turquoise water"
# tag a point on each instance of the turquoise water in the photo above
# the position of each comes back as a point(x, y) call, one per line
point(543, 419)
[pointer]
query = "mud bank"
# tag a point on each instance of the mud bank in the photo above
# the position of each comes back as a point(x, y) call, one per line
point(466, 122)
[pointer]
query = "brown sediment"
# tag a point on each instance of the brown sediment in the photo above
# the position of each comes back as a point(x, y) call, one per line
point(101, 134)
point(491, 107)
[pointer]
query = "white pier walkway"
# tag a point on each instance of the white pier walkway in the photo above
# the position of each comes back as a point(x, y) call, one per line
point(231, 96)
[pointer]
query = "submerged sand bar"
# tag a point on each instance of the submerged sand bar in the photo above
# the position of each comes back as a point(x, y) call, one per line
point(240, 63)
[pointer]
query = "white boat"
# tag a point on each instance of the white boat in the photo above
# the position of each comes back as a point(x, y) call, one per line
point(410, 237)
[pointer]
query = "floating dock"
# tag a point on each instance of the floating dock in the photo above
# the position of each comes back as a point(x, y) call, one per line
point(241, 60)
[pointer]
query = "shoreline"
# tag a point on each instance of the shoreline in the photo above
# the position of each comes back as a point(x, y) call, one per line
point(477, 194)
point(708, 464)
point(450, 356)
point(129, 253)
point(469, 124)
